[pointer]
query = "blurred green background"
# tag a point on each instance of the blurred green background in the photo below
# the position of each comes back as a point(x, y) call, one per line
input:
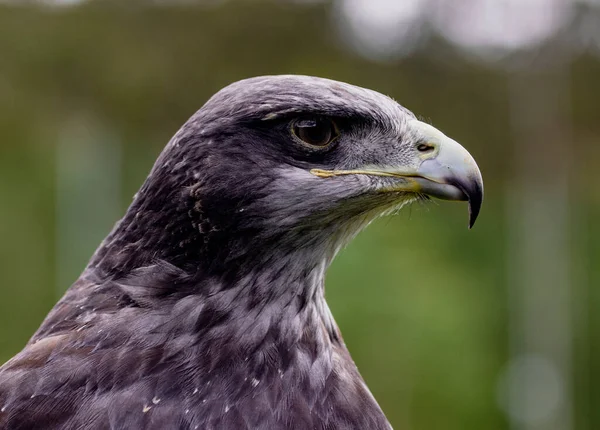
point(492, 328)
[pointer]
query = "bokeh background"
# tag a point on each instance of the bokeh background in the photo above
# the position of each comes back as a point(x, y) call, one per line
point(493, 328)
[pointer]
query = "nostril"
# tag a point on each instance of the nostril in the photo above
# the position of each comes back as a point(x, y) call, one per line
point(424, 147)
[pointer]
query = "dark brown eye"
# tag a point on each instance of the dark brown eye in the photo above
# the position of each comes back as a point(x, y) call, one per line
point(315, 131)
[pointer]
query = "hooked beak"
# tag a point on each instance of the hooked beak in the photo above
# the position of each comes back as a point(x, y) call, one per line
point(446, 171)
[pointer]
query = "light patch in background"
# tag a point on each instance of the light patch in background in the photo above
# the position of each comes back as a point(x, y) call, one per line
point(531, 390)
point(584, 34)
point(498, 26)
point(380, 29)
point(61, 2)
point(490, 29)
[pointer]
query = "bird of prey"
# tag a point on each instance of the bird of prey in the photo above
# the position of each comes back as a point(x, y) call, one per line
point(204, 308)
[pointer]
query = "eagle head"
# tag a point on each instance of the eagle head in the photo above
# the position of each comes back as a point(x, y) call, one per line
point(276, 164)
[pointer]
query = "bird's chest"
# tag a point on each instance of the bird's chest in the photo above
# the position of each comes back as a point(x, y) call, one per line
point(244, 396)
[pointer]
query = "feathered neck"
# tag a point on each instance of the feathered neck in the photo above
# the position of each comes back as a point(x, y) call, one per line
point(280, 297)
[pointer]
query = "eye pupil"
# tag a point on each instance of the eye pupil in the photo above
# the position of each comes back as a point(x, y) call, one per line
point(315, 131)
point(423, 147)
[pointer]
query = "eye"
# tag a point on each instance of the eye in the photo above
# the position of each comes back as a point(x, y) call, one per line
point(424, 147)
point(315, 131)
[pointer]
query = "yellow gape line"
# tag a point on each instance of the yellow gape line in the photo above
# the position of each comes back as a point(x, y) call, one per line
point(331, 173)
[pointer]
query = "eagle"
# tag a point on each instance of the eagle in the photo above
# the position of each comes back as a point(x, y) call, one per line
point(204, 308)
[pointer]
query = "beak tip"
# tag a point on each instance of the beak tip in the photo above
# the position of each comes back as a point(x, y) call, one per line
point(475, 200)
point(472, 219)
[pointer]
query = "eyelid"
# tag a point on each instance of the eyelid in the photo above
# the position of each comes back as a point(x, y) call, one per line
point(308, 122)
